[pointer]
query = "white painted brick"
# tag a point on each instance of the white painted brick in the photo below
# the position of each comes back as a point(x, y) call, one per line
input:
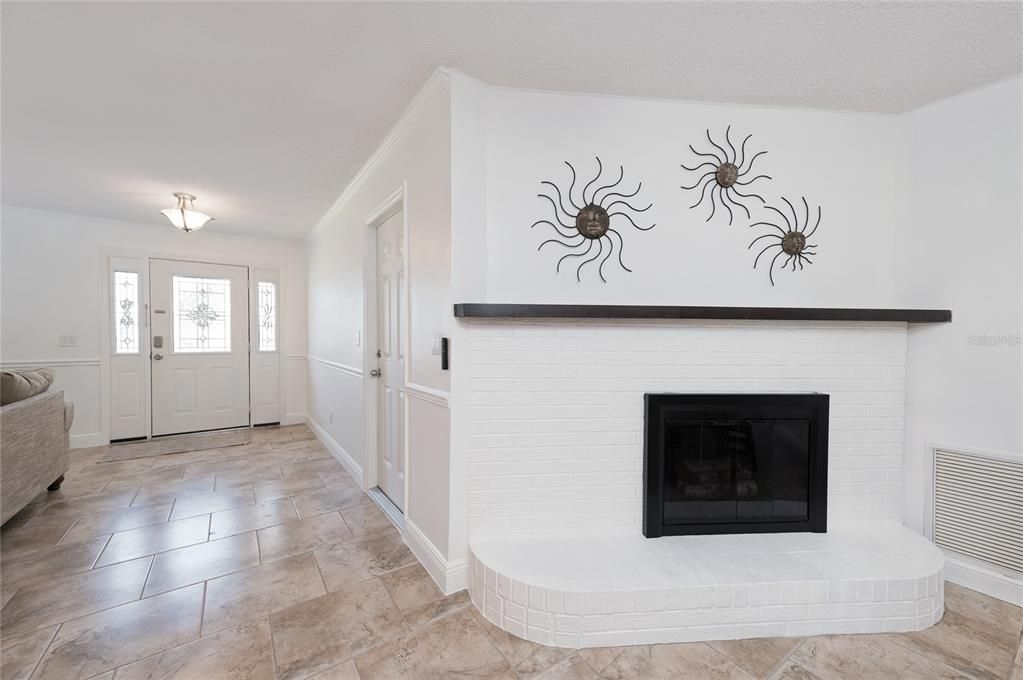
point(565, 400)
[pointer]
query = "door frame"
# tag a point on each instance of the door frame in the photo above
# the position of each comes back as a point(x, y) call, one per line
point(106, 342)
point(395, 202)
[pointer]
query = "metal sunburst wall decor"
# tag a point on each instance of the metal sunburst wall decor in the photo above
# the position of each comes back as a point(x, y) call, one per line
point(724, 170)
point(793, 240)
point(590, 220)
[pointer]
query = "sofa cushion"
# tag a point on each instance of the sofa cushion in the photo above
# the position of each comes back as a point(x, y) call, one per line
point(18, 385)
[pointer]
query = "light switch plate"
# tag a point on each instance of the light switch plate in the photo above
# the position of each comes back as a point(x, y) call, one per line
point(358, 338)
point(67, 341)
point(435, 348)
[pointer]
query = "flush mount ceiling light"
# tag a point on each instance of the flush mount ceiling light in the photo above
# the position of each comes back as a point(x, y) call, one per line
point(184, 216)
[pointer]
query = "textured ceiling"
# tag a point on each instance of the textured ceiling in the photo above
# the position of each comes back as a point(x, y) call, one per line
point(267, 110)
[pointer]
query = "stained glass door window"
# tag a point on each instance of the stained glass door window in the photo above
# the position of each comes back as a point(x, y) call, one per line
point(266, 294)
point(126, 312)
point(202, 314)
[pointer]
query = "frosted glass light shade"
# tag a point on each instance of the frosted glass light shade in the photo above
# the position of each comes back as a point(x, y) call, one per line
point(184, 216)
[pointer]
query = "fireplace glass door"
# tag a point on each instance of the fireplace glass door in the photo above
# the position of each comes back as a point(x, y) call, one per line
point(736, 471)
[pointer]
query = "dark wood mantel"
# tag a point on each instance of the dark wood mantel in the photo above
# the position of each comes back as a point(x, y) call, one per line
point(474, 310)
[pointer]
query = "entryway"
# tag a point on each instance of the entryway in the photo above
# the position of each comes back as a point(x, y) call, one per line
point(194, 346)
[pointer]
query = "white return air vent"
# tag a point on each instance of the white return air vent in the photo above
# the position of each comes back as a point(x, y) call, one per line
point(978, 507)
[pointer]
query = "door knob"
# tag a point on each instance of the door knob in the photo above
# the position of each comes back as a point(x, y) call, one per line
point(157, 357)
point(375, 373)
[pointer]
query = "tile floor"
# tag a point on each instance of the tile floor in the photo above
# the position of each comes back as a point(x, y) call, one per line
point(265, 561)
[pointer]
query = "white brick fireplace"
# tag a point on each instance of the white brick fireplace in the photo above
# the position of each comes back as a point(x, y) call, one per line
point(555, 459)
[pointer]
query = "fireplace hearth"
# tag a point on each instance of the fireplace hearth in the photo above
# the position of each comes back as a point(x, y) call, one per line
point(735, 463)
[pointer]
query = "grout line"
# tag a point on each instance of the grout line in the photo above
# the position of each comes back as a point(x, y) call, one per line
point(145, 581)
point(202, 607)
point(99, 555)
point(49, 644)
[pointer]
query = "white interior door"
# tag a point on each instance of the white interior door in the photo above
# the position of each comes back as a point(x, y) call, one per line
point(199, 342)
point(391, 362)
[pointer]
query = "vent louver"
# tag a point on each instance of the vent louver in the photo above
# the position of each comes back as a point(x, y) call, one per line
point(978, 507)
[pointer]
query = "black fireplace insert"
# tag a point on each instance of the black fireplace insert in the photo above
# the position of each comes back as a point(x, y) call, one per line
point(735, 464)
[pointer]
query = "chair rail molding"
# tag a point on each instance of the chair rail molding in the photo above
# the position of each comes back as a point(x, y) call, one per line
point(43, 363)
point(428, 394)
point(353, 371)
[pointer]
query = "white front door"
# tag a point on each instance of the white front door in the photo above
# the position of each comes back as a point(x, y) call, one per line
point(391, 362)
point(199, 342)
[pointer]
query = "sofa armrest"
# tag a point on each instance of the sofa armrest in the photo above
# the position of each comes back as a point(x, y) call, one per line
point(33, 449)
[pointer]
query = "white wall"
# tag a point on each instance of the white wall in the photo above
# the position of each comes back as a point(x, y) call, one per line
point(959, 246)
point(54, 275)
point(844, 162)
point(416, 156)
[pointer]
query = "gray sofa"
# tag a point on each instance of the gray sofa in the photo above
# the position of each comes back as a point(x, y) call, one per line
point(34, 449)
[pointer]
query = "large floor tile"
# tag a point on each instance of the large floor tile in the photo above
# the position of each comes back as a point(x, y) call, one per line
point(240, 653)
point(49, 563)
point(284, 488)
point(103, 641)
point(671, 662)
point(599, 658)
point(541, 660)
point(19, 541)
point(121, 519)
point(254, 593)
point(196, 563)
point(258, 472)
point(317, 502)
point(841, 657)
point(758, 657)
point(19, 654)
point(126, 545)
point(342, 671)
point(311, 468)
point(251, 517)
point(137, 478)
point(162, 493)
point(190, 506)
point(574, 667)
point(790, 670)
point(978, 635)
point(454, 647)
point(958, 642)
point(59, 503)
point(51, 601)
point(315, 635)
point(362, 558)
point(411, 586)
point(366, 519)
point(514, 648)
point(301, 535)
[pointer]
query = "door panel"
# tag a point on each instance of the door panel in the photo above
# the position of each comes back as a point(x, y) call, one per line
point(200, 346)
point(391, 387)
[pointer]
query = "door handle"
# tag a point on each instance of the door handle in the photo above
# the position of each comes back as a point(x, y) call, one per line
point(375, 373)
point(157, 357)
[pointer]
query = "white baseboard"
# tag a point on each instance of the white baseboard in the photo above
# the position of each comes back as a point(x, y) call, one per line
point(294, 419)
point(449, 576)
point(85, 441)
point(336, 450)
point(987, 581)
